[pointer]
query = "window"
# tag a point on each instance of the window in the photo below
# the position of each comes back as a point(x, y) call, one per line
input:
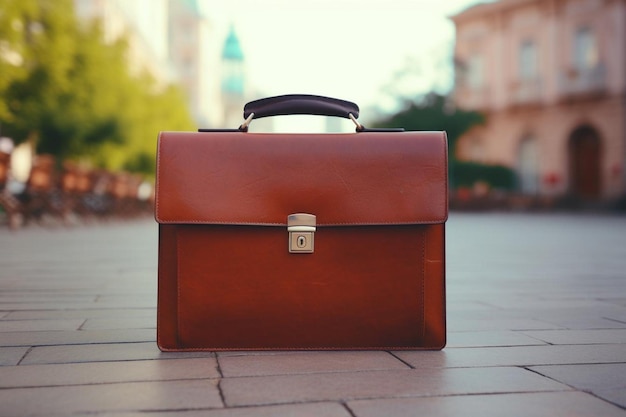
point(475, 72)
point(476, 150)
point(528, 60)
point(528, 166)
point(585, 50)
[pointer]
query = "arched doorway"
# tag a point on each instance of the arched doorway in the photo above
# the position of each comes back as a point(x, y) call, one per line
point(528, 166)
point(585, 150)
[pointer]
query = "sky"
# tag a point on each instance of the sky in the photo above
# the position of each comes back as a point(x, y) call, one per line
point(349, 49)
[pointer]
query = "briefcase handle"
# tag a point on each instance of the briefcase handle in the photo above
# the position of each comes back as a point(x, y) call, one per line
point(300, 104)
point(304, 104)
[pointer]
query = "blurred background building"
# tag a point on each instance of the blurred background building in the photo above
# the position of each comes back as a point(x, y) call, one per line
point(175, 41)
point(550, 77)
point(144, 24)
point(233, 80)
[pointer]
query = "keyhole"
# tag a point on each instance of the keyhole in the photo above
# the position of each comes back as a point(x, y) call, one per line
point(301, 241)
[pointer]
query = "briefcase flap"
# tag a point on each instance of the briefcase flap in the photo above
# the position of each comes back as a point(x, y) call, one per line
point(366, 178)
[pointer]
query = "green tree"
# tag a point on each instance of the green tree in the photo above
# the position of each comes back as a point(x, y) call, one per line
point(433, 112)
point(71, 94)
point(13, 15)
point(165, 109)
point(42, 34)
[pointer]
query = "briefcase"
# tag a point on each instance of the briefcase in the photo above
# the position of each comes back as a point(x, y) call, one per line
point(301, 241)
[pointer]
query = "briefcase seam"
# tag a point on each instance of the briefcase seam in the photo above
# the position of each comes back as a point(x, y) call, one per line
point(231, 223)
point(423, 283)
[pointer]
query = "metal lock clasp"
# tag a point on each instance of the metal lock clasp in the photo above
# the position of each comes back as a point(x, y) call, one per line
point(301, 228)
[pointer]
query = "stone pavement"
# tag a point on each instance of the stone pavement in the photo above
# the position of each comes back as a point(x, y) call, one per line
point(536, 322)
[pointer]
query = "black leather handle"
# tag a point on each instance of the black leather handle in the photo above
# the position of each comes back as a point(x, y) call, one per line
point(300, 104)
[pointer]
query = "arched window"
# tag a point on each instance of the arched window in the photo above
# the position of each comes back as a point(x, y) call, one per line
point(585, 162)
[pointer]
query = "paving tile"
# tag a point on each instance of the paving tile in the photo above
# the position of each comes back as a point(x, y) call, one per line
point(529, 300)
point(127, 301)
point(619, 315)
point(15, 297)
point(137, 396)
point(588, 323)
point(515, 356)
point(458, 306)
point(381, 384)
point(291, 410)
point(495, 324)
point(587, 377)
point(579, 337)
point(561, 404)
point(77, 337)
point(615, 396)
point(288, 410)
point(46, 306)
point(490, 339)
point(102, 353)
point(306, 362)
point(120, 323)
point(12, 355)
point(562, 312)
point(84, 314)
point(107, 372)
point(546, 286)
point(39, 325)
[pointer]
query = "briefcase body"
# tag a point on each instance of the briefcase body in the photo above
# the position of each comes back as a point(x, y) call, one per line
point(301, 241)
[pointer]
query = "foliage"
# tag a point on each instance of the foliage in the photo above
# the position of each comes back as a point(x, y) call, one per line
point(468, 174)
point(11, 46)
point(73, 96)
point(433, 112)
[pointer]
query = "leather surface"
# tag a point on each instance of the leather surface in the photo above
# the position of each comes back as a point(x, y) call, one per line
point(376, 279)
point(257, 178)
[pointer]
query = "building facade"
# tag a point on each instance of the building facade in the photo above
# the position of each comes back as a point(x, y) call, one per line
point(175, 42)
point(233, 80)
point(550, 77)
point(143, 23)
point(188, 51)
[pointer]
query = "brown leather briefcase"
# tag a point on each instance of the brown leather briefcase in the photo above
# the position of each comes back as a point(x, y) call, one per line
point(301, 241)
